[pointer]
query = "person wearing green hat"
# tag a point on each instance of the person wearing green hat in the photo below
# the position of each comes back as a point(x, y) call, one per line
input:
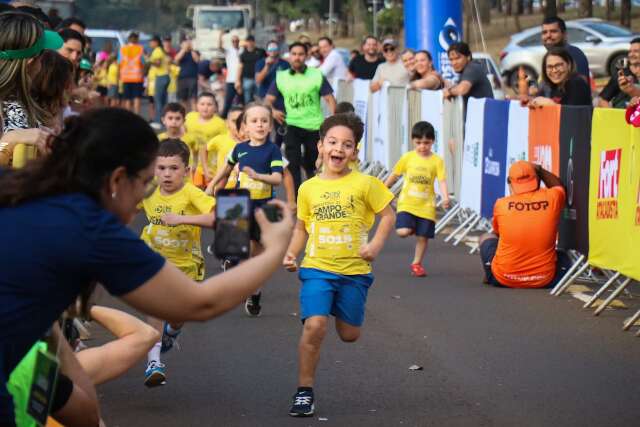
point(22, 39)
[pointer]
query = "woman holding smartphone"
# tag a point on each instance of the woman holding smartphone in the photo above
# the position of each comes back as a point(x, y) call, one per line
point(74, 205)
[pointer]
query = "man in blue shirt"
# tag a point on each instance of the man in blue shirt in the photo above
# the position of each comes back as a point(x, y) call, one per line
point(266, 68)
point(554, 34)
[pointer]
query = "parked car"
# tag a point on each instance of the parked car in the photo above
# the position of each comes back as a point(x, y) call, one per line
point(493, 73)
point(605, 45)
point(99, 39)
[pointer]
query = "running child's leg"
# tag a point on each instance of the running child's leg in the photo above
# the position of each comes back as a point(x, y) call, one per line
point(154, 374)
point(347, 332)
point(404, 232)
point(313, 333)
point(421, 249)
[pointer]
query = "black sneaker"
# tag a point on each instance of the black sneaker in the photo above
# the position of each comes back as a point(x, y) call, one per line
point(252, 305)
point(302, 405)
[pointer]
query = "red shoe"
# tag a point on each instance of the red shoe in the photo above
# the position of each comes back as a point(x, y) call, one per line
point(417, 270)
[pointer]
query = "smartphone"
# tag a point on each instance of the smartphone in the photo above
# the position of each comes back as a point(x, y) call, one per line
point(233, 221)
point(623, 67)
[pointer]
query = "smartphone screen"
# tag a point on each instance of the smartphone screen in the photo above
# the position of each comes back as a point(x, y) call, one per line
point(233, 221)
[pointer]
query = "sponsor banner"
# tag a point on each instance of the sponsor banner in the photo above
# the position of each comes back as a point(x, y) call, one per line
point(610, 190)
point(380, 133)
point(544, 135)
point(494, 154)
point(453, 129)
point(575, 149)
point(361, 105)
point(517, 136)
point(471, 186)
point(632, 265)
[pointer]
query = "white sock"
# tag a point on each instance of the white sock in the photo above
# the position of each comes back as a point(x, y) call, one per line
point(154, 353)
point(172, 331)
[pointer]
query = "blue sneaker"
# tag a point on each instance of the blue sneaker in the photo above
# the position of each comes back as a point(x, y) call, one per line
point(154, 374)
point(302, 405)
point(168, 339)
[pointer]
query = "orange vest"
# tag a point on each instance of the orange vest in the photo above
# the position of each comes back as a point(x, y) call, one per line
point(131, 68)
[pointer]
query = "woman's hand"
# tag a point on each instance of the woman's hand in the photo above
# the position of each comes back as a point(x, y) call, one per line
point(540, 101)
point(276, 235)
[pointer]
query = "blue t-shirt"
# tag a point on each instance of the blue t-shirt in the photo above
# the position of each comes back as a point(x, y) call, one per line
point(263, 88)
point(188, 67)
point(265, 158)
point(53, 248)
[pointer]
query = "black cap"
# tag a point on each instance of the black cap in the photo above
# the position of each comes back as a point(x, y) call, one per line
point(250, 38)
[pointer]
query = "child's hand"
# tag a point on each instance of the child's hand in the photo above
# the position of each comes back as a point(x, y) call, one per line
point(250, 172)
point(289, 262)
point(370, 251)
point(171, 219)
point(446, 203)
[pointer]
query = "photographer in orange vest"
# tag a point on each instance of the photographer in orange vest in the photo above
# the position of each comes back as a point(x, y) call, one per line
point(131, 64)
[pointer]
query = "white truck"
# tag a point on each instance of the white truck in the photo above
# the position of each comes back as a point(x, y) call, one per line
point(210, 21)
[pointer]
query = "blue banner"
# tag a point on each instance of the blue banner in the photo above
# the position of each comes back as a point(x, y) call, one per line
point(433, 25)
point(494, 154)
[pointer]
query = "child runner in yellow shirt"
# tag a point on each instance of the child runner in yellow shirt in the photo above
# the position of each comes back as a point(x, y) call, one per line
point(173, 118)
point(417, 201)
point(204, 124)
point(176, 210)
point(336, 210)
point(218, 149)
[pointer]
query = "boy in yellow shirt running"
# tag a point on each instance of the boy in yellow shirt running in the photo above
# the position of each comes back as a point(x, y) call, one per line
point(176, 210)
point(216, 152)
point(336, 210)
point(417, 201)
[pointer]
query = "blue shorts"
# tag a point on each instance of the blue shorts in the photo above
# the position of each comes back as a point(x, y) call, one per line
point(323, 293)
point(421, 226)
point(132, 90)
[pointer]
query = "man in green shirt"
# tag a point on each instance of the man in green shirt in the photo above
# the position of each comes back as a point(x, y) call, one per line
point(301, 88)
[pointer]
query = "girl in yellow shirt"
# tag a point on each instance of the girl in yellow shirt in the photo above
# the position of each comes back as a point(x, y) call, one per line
point(204, 124)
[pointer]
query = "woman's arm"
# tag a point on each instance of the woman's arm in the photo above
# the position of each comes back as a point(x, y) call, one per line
point(133, 340)
point(430, 82)
point(172, 296)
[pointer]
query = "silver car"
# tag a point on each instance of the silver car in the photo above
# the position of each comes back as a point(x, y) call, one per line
point(605, 45)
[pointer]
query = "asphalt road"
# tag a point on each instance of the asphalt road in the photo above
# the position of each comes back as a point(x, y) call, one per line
point(491, 357)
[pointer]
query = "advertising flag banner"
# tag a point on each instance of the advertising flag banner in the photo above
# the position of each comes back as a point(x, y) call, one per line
point(471, 186)
point(575, 150)
point(544, 135)
point(610, 192)
point(361, 105)
point(453, 130)
point(517, 136)
point(494, 154)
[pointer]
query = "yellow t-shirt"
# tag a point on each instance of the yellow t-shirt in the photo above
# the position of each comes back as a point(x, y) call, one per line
point(418, 195)
point(112, 74)
point(219, 148)
point(338, 215)
point(151, 82)
point(179, 244)
point(101, 76)
point(174, 70)
point(159, 55)
point(204, 131)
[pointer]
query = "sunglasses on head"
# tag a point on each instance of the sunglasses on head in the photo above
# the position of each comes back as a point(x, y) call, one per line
point(389, 49)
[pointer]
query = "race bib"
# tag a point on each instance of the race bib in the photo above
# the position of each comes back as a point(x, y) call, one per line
point(257, 189)
point(337, 240)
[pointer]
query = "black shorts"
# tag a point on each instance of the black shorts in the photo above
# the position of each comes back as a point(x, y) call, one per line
point(187, 89)
point(254, 229)
point(102, 90)
point(488, 250)
point(132, 90)
point(421, 226)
